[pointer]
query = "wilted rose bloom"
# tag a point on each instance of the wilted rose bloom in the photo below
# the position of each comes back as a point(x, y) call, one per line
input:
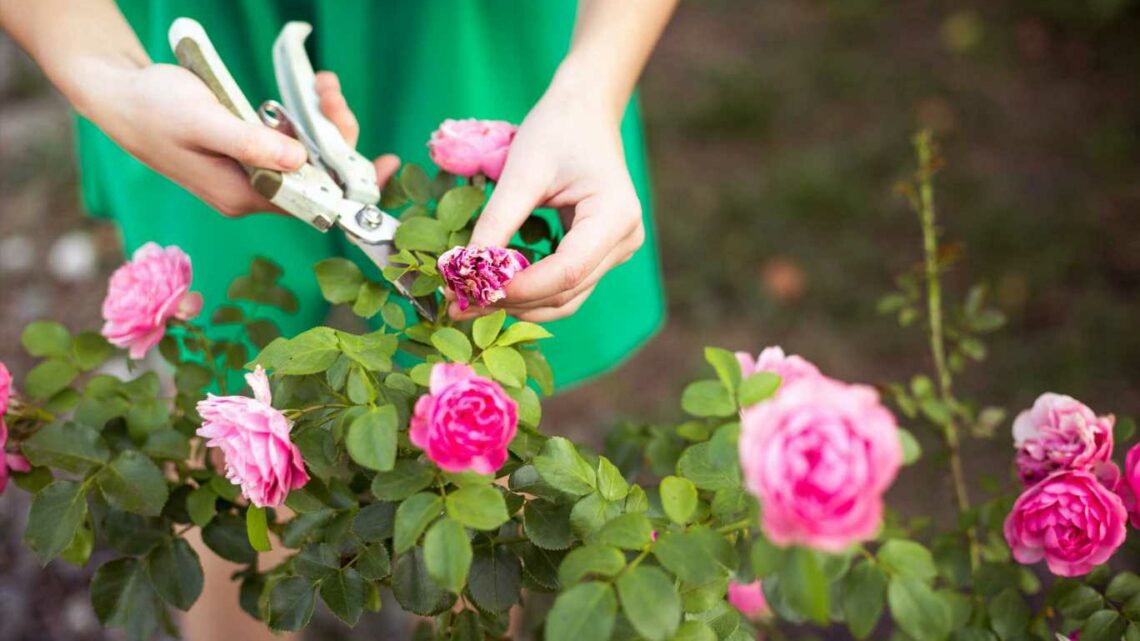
point(144, 294)
point(1131, 484)
point(254, 438)
point(480, 274)
point(469, 147)
point(749, 599)
point(465, 422)
point(1070, 519)
point(1060, 433)
point(819, 456)
point(772, 359)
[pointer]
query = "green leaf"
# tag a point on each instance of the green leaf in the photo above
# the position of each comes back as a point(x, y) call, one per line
point(917, 609)
point(547, 524)
point(496, 579)
point(1080, 603)
point(678, 498)
point(369, 299)
point(414, 588)
point(562, 467)
point(757, 387)
point(611, 484)
point(452, 343)
point(599, 560)
point(506, 365)
point(343, 593)
point(421, 234)
point(478, 506)
point(805, 585)
point(590, 513)
point(291, 603)
point(901, 557)
point(1106, 625)
point(310, 352)
point(202, 504)
point(371, 439)
point(46, 338)
point(372, 351)
point(766, 558)
point(122, 597)
point(530, 408)
point(175, 572)
point(1133, 632)
point(375, 522)
point(911, 449)
point(726, 366)
point(696, 464)
point(67, 446)
point(226, 536)
point(393, 315)
point(1123, 587)
point(447, 553)
point(339, 279)
point(257, 529)
point(56, 513)
point(79, 550)
point(585, 611)
point(91, 350)
point(146, 416)
point(133, 483)
point(650, 602)
point(458, 205)
point(167, 444)
point(864, 595)
point(629, 531)
point(707, 398)
point(689, 556)
point(48, 378)
point(466, 627)
point(694, 631)
point(412, 518)
point(415, 183)
point(521, 332)
point(485, 329)
point(405, 479)
point(1009, 614)
point(373, 563)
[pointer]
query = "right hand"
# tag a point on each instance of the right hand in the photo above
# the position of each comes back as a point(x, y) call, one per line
point(166, 117)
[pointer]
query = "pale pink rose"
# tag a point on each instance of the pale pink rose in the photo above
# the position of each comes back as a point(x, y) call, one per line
point(254, 438)
point(1130, 486)
point(465, 422)
point(819, 456)
point(469, 147)
point(144, 294)
point(1060, 433)
point(749, 599)
point(1069, 519)
point(772, 359)
point(479, 274)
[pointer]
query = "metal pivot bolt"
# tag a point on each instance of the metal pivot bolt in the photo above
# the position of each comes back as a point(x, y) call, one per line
point(370, 217)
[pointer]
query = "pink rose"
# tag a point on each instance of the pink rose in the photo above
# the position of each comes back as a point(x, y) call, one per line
point(480, 274)
point(1060, 433)
point(254, 438)
point(1070, 519)
point(144, 294)
point(819, 456)
point(5, 389)
point(469, 147)
point(9, 462)
point(772, 359)
point(465, 422)
point(1131, 484)
point(749, 599)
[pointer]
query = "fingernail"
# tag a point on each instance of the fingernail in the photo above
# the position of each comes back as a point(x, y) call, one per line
point(292, 154)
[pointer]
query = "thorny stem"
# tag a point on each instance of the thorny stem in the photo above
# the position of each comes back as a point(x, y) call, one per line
point(925, 207)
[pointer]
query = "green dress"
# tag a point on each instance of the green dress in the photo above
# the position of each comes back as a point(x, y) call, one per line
point(405, 66)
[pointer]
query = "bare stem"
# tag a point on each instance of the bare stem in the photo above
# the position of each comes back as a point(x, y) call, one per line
point(950, 430)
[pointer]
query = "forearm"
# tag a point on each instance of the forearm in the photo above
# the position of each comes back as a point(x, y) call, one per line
point(77, 44)
point(612, 41)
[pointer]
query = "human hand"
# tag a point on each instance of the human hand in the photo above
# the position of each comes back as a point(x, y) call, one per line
point(166, 117)
point(567, 154)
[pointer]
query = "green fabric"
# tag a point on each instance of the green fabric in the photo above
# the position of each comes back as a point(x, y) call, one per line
point(404, 66)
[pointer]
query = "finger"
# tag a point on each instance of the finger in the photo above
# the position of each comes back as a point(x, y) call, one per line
point(218, 131)
point(516, 196)
point(620, 253)
point(386, 167)
point(228, 189)
point(335, 107)
point(547, 314)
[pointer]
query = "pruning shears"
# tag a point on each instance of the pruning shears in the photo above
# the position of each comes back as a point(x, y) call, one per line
point(337, 186)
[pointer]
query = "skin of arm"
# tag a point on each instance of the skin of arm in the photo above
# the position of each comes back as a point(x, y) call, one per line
point(161, 114)
point(568, 154)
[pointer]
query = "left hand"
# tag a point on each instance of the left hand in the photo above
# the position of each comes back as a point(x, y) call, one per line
point(568, 155)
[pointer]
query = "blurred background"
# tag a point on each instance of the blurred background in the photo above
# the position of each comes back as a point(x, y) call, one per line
point(777, 132)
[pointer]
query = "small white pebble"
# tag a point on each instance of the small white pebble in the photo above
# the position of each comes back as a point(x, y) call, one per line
point(73, 257)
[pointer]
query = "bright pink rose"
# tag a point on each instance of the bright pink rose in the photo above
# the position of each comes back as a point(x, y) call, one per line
point(469, 147)
point(1070, 519)
point(819, 456)
point(9, 462)
point(5, 389)
point(465, 422)
point(1131, 484)
point(254, 438)
point(480, 274)
point(772, 359)
point(749, 599)
point(144, 294)
point(1060, 433)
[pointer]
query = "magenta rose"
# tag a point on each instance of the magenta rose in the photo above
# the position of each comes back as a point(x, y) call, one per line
point(254, 438)
point(5, 389)
point(469, 147)
point(9, 462)
point(1060, 433)
point(480, 275)
point(1070, 519)
point(749, 599)
point(1130, 484)
point(465, 422)
point(819, 456)
point(772, 359)
point(144, 294)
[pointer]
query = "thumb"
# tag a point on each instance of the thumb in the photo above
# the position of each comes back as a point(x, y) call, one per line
point(512, 201)
point(256, 145)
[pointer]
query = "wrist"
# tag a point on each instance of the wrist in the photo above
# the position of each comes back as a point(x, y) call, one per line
point(93, 83)
point(580, 80)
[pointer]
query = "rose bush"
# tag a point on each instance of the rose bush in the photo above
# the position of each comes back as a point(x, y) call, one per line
point(410, 457)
